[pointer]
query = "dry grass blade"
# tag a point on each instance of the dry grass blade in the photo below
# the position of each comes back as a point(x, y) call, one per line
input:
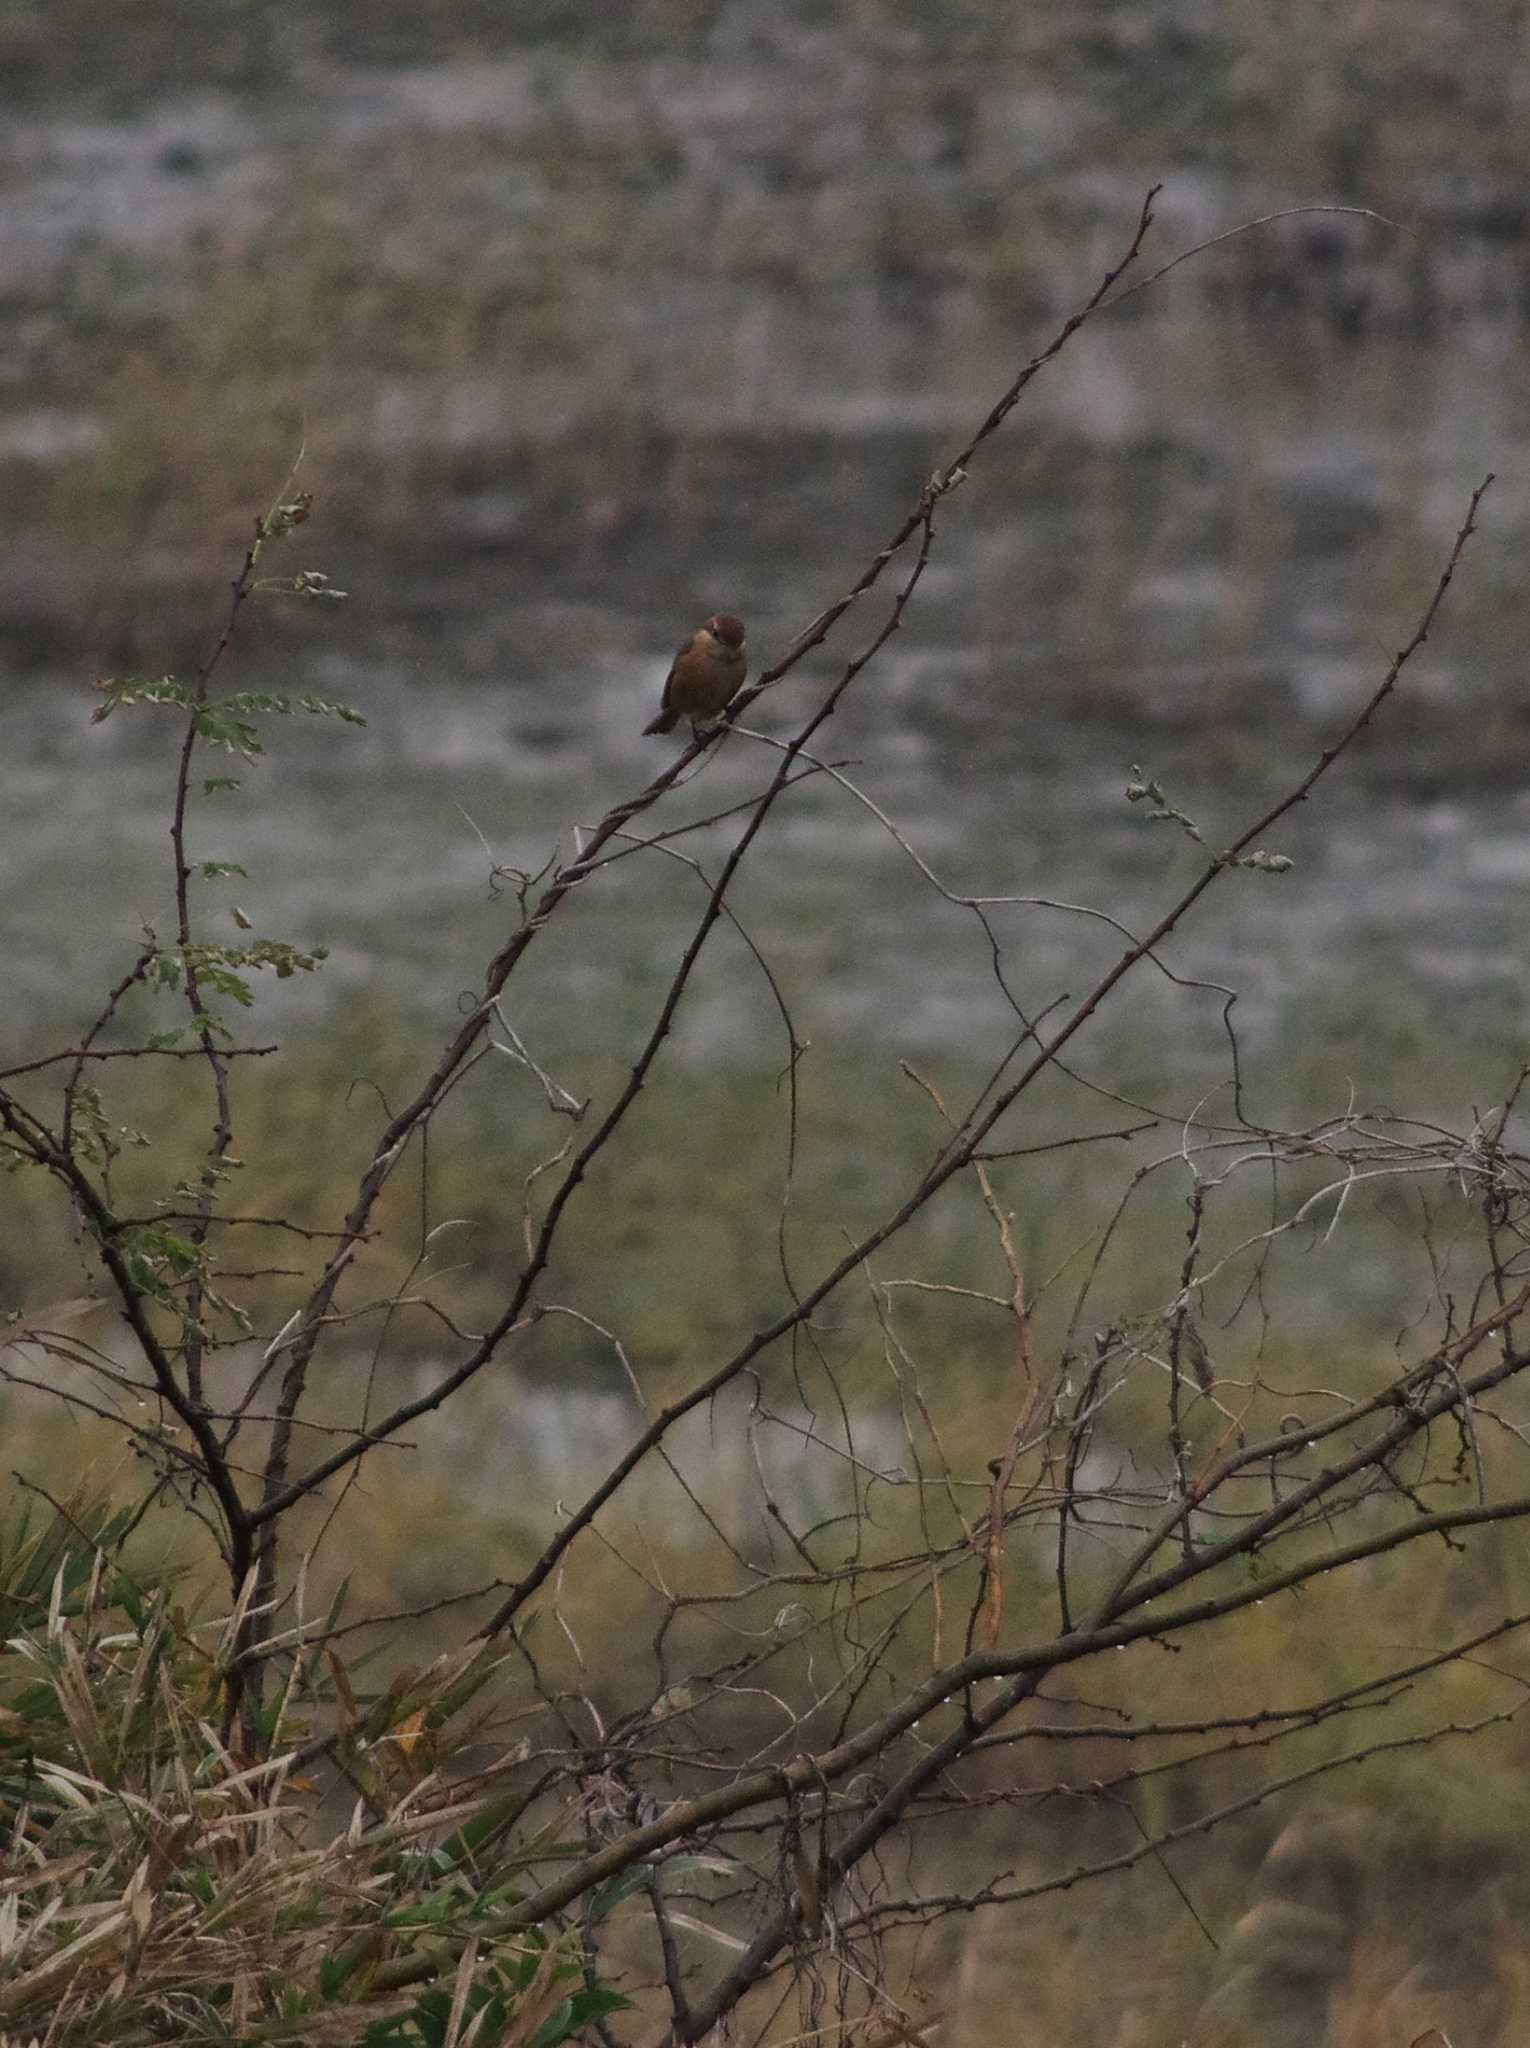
point(163, 1887)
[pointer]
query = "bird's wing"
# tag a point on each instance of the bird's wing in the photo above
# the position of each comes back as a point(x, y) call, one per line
point(680, 653)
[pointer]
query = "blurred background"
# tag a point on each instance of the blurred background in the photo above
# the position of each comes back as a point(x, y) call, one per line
point(587, 326)
point(587, 321)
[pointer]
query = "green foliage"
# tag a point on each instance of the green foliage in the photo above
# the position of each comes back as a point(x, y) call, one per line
point(1147, 789)
point(98, 1137)
point(52, 1561)
point(120, 690)
point(221, 968)
point(158, 1259)
point(509, 1984)
point(227, 722)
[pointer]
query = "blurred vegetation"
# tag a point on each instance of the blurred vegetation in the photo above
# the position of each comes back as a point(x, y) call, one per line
point(1230, 73)
point(591, 314)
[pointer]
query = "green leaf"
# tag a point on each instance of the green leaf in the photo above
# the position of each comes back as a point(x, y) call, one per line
point(558, 2026)
point(606, 1897)
point(334, 1969)
point(246, 704)
point(461, 1846)
point(220, 971)
point(97, 1138)
point(595, 2000)
point(220, 728)
point(120, 690)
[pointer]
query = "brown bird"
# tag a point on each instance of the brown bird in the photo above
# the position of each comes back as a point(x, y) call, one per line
point(704, 675)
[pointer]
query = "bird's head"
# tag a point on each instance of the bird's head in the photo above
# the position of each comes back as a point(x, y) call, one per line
point(725, 627)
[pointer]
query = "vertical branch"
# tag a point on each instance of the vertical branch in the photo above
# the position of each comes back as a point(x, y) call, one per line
point(1181, 1339)
point(1080, 1429)
point(223, 1129)
point(674, 1980)
point(282, 518)
point(1497, 1201)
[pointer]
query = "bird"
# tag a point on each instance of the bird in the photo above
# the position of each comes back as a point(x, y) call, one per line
point(704, 675)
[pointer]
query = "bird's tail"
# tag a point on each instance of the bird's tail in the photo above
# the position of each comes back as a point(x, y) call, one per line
point(665, 722)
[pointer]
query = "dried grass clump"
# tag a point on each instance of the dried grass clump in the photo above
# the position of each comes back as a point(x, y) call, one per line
point(157, 1886)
